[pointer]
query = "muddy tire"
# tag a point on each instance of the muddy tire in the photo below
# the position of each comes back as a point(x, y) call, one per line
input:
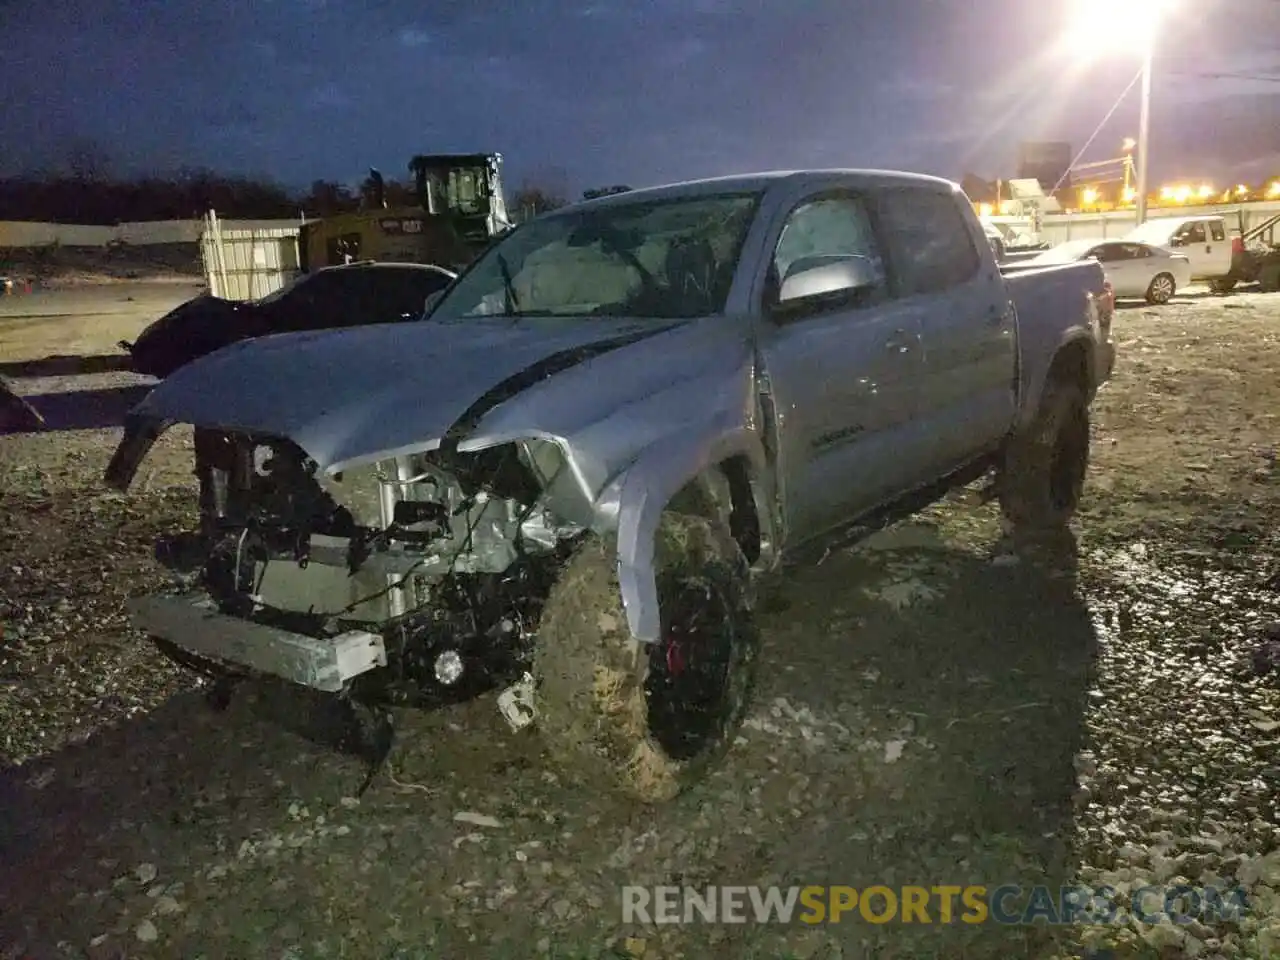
point(647, 721)
point(1042, 480)
point(1162, 288)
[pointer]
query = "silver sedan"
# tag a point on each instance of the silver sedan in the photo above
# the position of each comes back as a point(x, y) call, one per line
point(1134, 269)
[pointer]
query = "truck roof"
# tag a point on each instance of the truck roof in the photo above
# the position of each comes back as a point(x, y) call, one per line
point(750, 182)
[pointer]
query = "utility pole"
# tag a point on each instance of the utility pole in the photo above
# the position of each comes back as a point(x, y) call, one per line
point(1144, 133)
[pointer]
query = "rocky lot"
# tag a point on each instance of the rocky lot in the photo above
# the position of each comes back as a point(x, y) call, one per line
point(933, 710)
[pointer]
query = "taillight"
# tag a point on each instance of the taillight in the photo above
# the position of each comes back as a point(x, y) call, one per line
point(1237, 244)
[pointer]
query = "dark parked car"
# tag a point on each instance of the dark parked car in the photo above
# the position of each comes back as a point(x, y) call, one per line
point(354, 294)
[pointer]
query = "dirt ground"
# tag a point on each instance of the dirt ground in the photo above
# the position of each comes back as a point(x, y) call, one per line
point(61, 266)
point(932, 711)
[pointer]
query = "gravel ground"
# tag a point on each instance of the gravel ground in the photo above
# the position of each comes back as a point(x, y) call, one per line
point(932, 711)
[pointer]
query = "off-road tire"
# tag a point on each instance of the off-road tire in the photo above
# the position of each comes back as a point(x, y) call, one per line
point(1161, 289)
point(595, 715)
point(1042, 479)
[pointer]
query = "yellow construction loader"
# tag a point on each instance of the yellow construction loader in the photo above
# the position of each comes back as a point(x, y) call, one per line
point(461, 208)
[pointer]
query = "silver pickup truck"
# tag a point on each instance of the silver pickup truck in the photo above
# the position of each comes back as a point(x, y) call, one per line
point(566, 480)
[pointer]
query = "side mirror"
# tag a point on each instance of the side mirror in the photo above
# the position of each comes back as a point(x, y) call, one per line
point(1178, 242)
point(431, 302)
point(820, 279)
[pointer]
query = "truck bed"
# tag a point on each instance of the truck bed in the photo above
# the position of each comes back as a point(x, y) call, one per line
point(1051, 301)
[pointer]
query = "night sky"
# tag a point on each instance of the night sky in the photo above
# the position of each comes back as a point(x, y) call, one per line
point(583, 93)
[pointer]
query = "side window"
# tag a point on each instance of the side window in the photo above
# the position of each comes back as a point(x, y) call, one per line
point(1196, 233)
point(1136, 252)
point(1104, 254)
point(407, 292)
point(1217, 231)
point(836, 227)
point(342, 249)
point(931, 241)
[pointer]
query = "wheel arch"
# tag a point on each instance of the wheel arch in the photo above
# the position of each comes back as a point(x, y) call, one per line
point(719, 473)
point(1074, 358)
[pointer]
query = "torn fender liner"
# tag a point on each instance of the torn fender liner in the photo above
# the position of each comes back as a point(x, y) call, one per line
point(140, 434)
point(521, 381)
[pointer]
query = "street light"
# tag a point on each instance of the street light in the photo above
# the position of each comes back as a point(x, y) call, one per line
point(1123, 26)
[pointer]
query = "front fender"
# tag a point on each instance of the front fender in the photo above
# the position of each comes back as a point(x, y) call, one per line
point(641, 494)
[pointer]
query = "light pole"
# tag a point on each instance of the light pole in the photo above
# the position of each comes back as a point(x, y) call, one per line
point(1144, 130)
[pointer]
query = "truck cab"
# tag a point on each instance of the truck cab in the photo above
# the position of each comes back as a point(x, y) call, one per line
point(1203, 240)
point(466, 189)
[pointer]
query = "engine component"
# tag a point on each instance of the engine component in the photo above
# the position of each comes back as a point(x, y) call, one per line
point(448, 667)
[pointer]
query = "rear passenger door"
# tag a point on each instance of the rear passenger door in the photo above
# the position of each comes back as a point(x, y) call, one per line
point(1119, 268)
point(1194, 243)
point(968, 395)
point(1218, 258)
point(843, 372)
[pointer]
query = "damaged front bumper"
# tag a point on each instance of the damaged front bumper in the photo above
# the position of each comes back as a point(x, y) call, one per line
point(194, 624)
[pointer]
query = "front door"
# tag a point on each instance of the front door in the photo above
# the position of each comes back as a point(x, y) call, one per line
point(843, 375)
point(1194, 243)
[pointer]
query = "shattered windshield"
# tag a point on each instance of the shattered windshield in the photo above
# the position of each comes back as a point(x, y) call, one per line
point(666, 259)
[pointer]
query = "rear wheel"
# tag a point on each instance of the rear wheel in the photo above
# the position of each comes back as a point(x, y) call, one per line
point(1162, 288)
point(1222, 284)
point(647, 721)
point(1044, 471)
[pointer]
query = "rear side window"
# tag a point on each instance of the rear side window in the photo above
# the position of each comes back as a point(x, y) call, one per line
point(933, 248)
point(1216, 230)
point(406, 291)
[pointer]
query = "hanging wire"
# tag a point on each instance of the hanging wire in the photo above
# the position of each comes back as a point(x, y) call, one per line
point(1098, 129)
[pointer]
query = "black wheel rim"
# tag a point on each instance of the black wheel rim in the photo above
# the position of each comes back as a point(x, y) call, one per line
point(1066, 474)
point(688, 684)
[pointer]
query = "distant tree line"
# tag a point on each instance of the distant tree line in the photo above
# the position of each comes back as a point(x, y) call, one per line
point(90, 197)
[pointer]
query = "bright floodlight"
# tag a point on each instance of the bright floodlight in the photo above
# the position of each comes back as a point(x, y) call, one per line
point(1117, 27)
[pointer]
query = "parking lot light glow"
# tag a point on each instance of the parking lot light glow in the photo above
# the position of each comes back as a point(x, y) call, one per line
point(1108, 27)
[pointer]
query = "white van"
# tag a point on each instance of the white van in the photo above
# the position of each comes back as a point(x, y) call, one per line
point(1203, 240)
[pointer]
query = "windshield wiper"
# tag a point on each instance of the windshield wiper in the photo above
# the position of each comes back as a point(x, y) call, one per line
point(508, 288)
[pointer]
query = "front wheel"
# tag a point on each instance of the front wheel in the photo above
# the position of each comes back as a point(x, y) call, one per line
point(646, 721)
point(1222, 284)
point(1162, 288)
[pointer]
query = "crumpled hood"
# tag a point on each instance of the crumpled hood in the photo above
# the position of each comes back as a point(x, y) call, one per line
point(343, 395)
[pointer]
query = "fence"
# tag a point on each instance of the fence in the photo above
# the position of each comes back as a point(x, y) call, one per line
point(1061, 227)
point(19, 233)
point(246, 264)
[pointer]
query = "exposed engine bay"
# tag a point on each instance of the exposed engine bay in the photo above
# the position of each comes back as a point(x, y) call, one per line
point(446, 556)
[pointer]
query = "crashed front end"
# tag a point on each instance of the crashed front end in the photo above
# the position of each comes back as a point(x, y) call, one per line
point(418, 575)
